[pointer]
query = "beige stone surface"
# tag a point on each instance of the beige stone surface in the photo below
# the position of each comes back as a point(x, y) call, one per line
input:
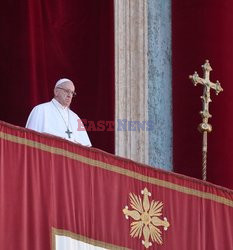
point(131, 77)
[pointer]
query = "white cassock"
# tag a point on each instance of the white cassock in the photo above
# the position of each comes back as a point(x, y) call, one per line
point(52, 118)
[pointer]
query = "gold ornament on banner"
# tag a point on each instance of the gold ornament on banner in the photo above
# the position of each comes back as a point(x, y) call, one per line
point(147, 218)
point(205, 127)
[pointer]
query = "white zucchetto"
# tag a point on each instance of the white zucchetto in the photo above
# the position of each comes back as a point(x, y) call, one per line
point(62, 81)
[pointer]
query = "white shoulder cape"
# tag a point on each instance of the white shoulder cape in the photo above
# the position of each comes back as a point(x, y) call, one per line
point(45, 118)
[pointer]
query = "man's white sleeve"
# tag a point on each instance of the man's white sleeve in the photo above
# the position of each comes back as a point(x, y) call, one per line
point(36, 119)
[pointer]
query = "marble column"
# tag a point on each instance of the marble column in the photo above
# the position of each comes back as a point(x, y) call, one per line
point(131, 85)
point(143, 91)
point(160, 83)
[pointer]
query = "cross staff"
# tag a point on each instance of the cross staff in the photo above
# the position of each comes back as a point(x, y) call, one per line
point(205, 126)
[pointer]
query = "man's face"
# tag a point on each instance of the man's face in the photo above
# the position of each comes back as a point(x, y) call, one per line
point(63, 93)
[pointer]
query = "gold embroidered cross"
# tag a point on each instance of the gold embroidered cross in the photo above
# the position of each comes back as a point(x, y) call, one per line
point(146, 215)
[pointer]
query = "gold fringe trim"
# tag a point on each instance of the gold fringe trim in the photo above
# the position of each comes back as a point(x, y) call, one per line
point(117, 169)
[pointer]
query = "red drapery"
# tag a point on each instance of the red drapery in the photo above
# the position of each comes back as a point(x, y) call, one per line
point(202, 30)
point(51, 186)
point(42, 41)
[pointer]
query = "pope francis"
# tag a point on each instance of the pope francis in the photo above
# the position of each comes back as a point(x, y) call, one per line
point(56, 118)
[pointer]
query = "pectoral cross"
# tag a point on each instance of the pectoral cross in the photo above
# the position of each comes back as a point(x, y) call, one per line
point(205, 126)
point(68, 132)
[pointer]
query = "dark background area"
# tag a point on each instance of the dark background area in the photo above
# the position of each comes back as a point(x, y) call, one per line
point(203, 30)
point(43, 41)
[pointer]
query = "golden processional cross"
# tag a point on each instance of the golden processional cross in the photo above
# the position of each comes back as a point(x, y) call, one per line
point(205, 127)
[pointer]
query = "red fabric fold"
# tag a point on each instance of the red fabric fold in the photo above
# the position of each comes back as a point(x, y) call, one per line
point(47, 183)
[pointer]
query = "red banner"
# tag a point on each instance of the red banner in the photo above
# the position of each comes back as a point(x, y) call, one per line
point(53, 190)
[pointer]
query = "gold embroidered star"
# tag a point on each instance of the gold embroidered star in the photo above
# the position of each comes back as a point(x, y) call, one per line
point(147, 218)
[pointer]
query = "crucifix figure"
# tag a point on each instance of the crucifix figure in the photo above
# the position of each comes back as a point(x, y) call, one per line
point(68, 132)
point(205, 127)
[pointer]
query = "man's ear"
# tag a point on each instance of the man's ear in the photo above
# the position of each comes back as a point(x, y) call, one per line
point(55, 91)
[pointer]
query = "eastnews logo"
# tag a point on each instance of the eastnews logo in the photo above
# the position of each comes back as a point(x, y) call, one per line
point(119, 125)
